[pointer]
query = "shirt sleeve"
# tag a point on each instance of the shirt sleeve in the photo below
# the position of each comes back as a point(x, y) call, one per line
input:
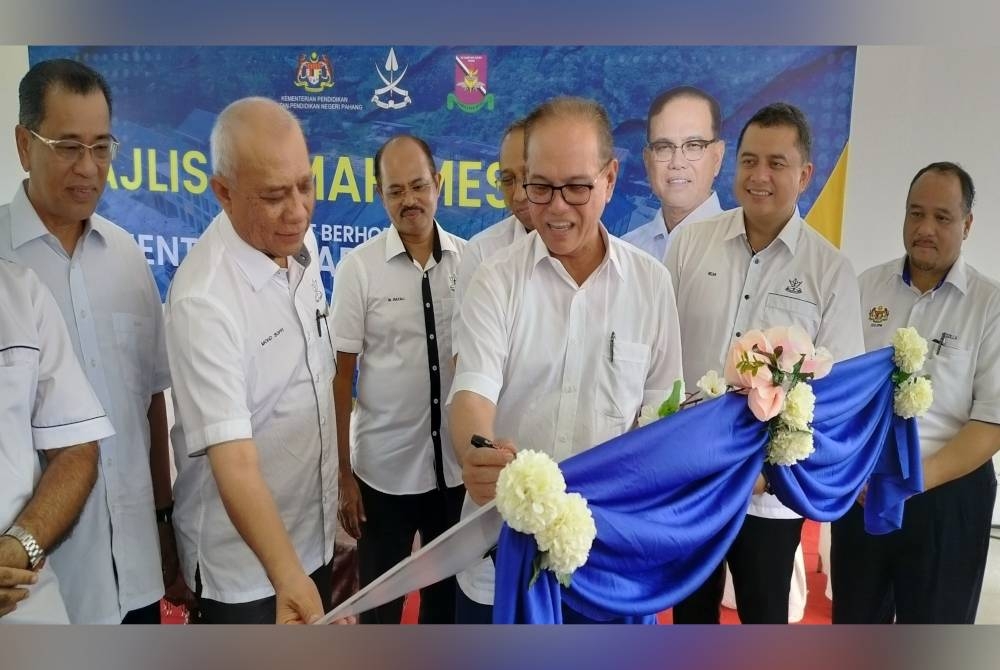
point(205, 350)
point(483, 342)
point(840, 328)
point(472, 258)
point(986, 379)
point(350, 297)
point(66, 411)
point(665, 358)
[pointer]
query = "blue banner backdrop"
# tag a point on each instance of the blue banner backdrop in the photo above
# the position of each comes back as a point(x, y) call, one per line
point(460, 99)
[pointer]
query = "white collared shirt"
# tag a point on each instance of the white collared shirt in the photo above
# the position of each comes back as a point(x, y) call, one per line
point(654, 238)
point(380, 313)
point(251, 358)
point(539, 347)
point(45, 403)
point(723, 291)
point(110, 563)
point(481, 246)
point(963, 314)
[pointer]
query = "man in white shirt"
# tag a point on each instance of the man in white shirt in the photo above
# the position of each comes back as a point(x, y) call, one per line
point(683, 156)
point(48, 412)
point(392, 313)
point(565, 334)
point(511, 229)
point(110, 566)
point(251, 358)
point(931, 570)
point(754, 267)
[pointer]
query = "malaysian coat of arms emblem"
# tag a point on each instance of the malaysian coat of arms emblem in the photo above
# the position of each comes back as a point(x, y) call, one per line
point(314, 73)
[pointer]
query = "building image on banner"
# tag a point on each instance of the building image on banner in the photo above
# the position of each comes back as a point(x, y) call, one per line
point(460, 99)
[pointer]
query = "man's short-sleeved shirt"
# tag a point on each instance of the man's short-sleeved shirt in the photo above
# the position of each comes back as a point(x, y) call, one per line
point(724, 290)
point(960, 319)
point(251, 357)
point(45, 403)
point(568, 366)
point(109, 563)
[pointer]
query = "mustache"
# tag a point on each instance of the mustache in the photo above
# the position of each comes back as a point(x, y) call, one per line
point(407, 210)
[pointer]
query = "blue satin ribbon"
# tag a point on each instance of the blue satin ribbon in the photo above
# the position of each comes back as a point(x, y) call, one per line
point(668, 499)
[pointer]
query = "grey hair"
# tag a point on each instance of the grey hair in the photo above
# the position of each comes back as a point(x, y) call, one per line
point(222, 143)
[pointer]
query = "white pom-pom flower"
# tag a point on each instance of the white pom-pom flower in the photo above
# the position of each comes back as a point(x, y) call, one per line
point(913, 397)
point(567, 540)
point(909, 350)
point(530, 491)
point(800, 402)
point(788, 447)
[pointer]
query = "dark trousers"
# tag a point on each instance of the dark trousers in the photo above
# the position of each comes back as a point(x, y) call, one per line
point(761, 559)
point(150, 614)
point(256, 611)
point(387, 538)
point(929, 571)
point(468, 611)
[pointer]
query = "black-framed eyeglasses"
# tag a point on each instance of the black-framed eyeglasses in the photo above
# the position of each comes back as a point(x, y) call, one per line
point(572, 194)
point(103, 152)
point(692, 150)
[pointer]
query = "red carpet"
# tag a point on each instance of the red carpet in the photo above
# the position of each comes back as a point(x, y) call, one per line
point(818, 608)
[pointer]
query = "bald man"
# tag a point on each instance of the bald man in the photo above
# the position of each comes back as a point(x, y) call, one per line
point(252, 362)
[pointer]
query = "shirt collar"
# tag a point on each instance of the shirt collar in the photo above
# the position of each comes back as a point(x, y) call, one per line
point(257, 267)
point(957, 275)
point(26, 225)
point(706, 210)
point(789, 235)
point(442, 242)
point(611, 255)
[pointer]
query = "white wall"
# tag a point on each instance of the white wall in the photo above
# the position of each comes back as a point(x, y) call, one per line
point(13, 65)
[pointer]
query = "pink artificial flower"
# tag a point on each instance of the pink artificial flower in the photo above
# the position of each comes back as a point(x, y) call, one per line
point(766, 401)
point(742, 350)
point(794, 342)
point(819, 364)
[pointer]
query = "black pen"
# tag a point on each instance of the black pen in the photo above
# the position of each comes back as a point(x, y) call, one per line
point(481, 442)
point(612, 346)
point(319, 328)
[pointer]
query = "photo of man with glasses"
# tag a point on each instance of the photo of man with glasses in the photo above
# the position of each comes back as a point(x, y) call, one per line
point(683, 156)
point(561, 341)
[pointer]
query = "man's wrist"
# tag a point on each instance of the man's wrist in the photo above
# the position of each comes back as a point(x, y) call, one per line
point(165, 515)
point(19, 549)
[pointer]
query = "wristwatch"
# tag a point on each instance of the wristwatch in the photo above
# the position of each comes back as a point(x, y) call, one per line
point(34, 550)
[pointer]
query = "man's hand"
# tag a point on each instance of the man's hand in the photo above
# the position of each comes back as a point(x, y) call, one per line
point(760, 485)
point(863, 495)
point(12, 591)
point(298, 601)
point(481, 468)
point(352, 511)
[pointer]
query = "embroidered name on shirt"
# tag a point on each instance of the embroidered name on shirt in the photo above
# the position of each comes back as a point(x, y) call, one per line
point(794, 286)
point(452, 281)
point(396, 299)
point(712, 274)
point(270, 338)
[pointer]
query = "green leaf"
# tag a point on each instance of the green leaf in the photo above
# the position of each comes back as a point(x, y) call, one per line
point(673, 401)
point(536, 569)
point(564, 579)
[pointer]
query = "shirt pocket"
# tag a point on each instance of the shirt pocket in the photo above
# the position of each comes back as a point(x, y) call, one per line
point(951, 370)
point(782, 310)
point(621, 382)
point(134, 340)
point(18, 383)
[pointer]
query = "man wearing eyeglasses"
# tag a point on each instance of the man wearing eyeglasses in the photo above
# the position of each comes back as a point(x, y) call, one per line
point(683, 156)
point(115, 563)
point(511, 229)
point(754, 267)
point(392, 312)
point(565, 334)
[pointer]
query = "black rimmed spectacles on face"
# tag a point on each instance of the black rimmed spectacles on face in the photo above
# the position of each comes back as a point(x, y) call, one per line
point(103, 152)
point(572, 194)
point(692, 150)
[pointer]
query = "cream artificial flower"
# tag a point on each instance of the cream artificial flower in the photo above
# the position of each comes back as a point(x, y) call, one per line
point(712, 385)
point(800, 402)
point(529, 491)
point(910, 350)
point(567, 540)
point(648, 415)
point(913, 397)
point(788, 447)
